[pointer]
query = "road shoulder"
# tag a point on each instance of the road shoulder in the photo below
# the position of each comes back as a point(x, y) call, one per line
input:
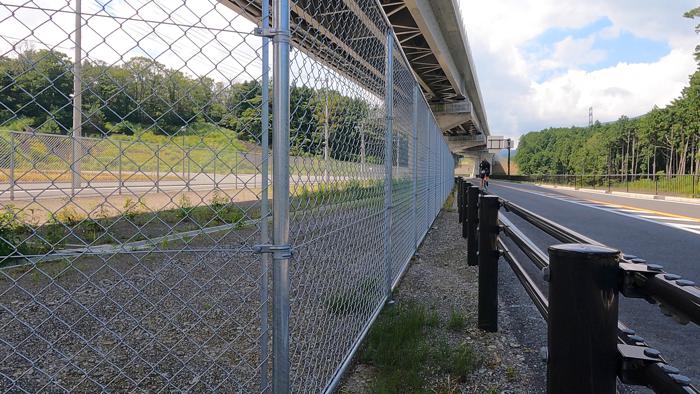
point(439, 281)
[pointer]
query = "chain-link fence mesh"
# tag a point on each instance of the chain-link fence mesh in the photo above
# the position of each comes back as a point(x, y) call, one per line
point(351, 239)
point(129, 232)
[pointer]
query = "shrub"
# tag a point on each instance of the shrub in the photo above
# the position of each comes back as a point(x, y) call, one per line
point(68, 216)
point(184, 206)
point(125, 127)
point(11, 229)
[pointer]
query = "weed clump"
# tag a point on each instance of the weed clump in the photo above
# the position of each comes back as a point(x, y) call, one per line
point(405, 347)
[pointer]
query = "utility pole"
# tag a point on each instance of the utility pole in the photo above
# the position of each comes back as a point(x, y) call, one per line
point(77, 102)
point(590, 116)
point(509, 146)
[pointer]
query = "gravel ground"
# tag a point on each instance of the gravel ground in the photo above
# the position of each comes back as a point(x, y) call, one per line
point(440, 280)
point(185, 316)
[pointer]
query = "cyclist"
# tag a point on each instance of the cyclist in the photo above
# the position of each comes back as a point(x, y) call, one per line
point(484, 172)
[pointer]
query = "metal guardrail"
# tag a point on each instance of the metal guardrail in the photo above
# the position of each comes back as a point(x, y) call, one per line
point(681, 185)
point(586, 276)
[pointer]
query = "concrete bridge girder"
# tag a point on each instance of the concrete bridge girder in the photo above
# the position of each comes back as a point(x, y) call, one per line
point(466, 144)
point(442, 28)
point(450, 121)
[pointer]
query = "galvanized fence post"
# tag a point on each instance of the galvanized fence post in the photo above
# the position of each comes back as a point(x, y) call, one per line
point(416, 96)
point(12, 166)
point(388, 160)
point(692, 180)
point(656, 184)
point(264, 203)
point(235, 169)
point(488, 263)
point(583, 313)
point(157, 168)
point(280, 199)
point(120, 175)
point(184, 155)
point(472, 220)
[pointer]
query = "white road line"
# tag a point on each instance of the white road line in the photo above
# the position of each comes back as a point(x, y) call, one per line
point(685, 227)
point(670, 218)
point(607, 209)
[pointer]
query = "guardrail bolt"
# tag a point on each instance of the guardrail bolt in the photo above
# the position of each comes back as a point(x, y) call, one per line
point(651, 352)
point(545, 274)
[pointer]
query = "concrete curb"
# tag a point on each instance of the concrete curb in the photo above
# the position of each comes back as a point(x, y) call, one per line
point(640, 196)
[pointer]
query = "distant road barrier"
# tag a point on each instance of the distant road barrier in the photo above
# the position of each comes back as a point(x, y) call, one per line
point(681, 185)
point(33, 163)
point(588, 348)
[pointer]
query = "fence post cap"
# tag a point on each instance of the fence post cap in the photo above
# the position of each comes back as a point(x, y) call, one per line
point(587, 249)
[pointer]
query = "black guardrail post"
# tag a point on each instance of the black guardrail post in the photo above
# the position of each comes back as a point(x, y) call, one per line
point(465, 208)
point(488, 263)
point(458, 188)
point(460, 199)
point(472, 221)
point(465, 186)
point(583, 313)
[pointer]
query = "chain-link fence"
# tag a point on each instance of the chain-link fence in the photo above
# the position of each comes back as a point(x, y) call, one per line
point(139, 247)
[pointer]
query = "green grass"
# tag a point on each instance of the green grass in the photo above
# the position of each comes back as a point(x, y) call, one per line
point(457, 321)
point(201, 147)
point(136, 222)
point(67, 226)
point(144, 152)
point(511, 374)
point(403, 347)
point(449, 202)
point(396, 346)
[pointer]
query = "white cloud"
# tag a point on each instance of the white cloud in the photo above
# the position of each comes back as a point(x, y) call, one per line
point(518, 99)
point(571, 52)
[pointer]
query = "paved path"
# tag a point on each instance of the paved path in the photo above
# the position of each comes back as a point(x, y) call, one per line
point(199, 182)
point(662, 232)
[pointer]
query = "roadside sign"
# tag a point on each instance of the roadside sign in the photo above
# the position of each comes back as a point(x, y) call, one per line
point(495, 144)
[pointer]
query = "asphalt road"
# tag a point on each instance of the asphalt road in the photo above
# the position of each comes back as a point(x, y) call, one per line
point(661, 232)
point(198, 182)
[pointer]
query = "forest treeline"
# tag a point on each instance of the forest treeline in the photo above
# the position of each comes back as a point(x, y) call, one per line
point(665, 140)
point(142, 95)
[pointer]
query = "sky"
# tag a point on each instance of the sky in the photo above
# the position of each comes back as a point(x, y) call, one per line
point(543, 63)
point(540, 63)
